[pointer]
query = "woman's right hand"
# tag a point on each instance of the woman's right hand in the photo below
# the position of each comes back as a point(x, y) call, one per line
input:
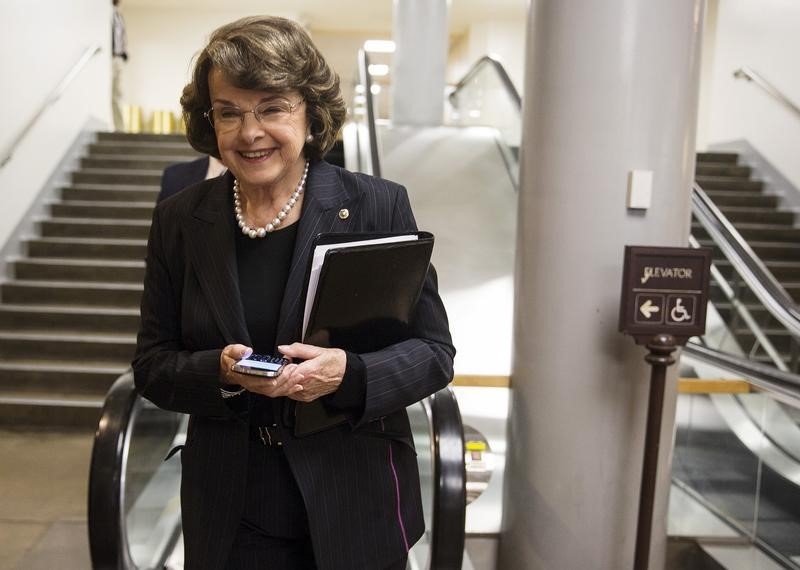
point(270, 387)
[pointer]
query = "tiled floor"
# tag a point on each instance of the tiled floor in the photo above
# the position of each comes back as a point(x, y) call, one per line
point(43, 485)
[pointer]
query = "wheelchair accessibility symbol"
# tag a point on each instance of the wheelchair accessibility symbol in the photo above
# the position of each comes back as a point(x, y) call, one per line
point(680, 309)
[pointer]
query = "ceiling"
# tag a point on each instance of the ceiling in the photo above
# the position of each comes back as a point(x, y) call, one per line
point(352, 15)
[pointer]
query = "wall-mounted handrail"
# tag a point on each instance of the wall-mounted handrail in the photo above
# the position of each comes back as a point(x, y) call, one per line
point(54, 96)
point(752, 270)
point(491, 61)
point(774, 92)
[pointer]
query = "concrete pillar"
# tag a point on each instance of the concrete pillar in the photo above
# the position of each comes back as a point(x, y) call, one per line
point(418, 68)
point(610, 86)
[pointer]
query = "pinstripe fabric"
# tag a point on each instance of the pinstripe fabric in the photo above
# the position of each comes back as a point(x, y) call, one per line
point(362, 507)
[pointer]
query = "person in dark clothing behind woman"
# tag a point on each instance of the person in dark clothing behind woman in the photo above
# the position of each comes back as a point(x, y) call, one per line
point(226, 264)
point(178, 176)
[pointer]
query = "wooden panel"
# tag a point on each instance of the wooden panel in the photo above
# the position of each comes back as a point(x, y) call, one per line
point(482, 381)
point(712, 386)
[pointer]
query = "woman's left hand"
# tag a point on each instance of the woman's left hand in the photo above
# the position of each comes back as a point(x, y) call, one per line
point(320, 373)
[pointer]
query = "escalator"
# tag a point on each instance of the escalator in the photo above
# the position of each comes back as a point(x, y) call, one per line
point(134, 493)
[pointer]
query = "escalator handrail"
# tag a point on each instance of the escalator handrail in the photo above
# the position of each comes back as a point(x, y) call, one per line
point(755, 274)
point(107, 531)
point(494, 63)
point(450, 481)
point(366, 80)
point(784, 385)
point(108, 543)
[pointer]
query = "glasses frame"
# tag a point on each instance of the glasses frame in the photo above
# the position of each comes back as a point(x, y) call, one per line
point(256, 114)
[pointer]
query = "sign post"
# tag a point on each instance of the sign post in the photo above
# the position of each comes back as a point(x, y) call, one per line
point(664, 298)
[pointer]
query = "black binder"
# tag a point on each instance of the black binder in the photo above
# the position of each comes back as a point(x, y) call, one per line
point(364, 301)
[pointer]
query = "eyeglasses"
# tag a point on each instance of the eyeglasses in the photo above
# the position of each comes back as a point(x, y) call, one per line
point(226, 118)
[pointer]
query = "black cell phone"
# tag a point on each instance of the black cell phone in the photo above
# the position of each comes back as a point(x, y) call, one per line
point(261, 365)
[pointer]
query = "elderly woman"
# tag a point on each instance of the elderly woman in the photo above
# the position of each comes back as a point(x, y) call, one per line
point(225, 269)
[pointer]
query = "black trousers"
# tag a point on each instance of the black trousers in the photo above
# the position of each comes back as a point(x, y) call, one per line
point(253, 550)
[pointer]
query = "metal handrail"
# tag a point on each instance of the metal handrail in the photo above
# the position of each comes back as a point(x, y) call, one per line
point(783, 385)
point(774, 92)
point(746, 262)
point(54, 96)
point(449, 480)
point(494, 62)
point(744, 313)
point(366, 80)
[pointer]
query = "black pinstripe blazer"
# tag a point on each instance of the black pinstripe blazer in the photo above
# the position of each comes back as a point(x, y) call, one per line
point(359, 481)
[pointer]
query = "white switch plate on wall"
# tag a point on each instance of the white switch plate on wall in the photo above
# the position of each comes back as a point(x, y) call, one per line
point(640, 189)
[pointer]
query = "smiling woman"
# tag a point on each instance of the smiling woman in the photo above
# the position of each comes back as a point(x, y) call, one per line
point(225, 275)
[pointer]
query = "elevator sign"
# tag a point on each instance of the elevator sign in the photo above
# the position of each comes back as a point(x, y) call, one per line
point(664, 290)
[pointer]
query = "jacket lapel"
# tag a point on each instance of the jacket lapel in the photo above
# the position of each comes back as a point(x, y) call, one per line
point(212, 252)
point(325, 195)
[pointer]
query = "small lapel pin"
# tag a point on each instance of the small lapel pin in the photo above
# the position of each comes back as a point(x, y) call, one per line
point(344, 213)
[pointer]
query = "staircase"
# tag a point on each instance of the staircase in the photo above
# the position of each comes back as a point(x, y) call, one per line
point(69, 309)
point(770, 232)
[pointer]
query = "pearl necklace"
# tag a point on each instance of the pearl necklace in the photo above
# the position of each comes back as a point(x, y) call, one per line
point(253, 233)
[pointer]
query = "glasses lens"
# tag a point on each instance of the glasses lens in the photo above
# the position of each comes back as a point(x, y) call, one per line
point(226, 118)
point(275, 110)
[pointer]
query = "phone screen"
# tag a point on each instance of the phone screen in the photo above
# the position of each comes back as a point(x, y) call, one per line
point(260, 364)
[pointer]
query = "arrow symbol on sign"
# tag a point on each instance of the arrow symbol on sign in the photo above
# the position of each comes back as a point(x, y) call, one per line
point(648, 308)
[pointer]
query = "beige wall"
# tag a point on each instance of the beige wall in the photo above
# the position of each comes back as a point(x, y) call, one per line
point(163, 41)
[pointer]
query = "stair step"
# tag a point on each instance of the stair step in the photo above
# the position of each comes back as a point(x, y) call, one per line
point(792, 288)
point(729, 184)
point(760, 313)
point(758, 215)
point(74, 347)
point(45, 378)
point(722, 169)
point(142, 137)
point(103, 209)
point(143, 148)
point(86, 248)
point(717, 157)
point(134, 162)
point(780, 339)
point(757, 232)
point(62, 412)
point(742, 198)
point(766, 251)
point(74, 293)
point(58, 318)
point(88, 227)
point(782, 270)
point(110, 193)
point(112, 176)
point(43, 268)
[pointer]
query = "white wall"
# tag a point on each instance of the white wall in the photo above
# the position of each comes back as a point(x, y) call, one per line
point(503, 38)
point(41, 41)
point(762, 35)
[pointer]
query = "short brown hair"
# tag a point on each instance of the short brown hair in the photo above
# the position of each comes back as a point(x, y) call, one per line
point(266, 53)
